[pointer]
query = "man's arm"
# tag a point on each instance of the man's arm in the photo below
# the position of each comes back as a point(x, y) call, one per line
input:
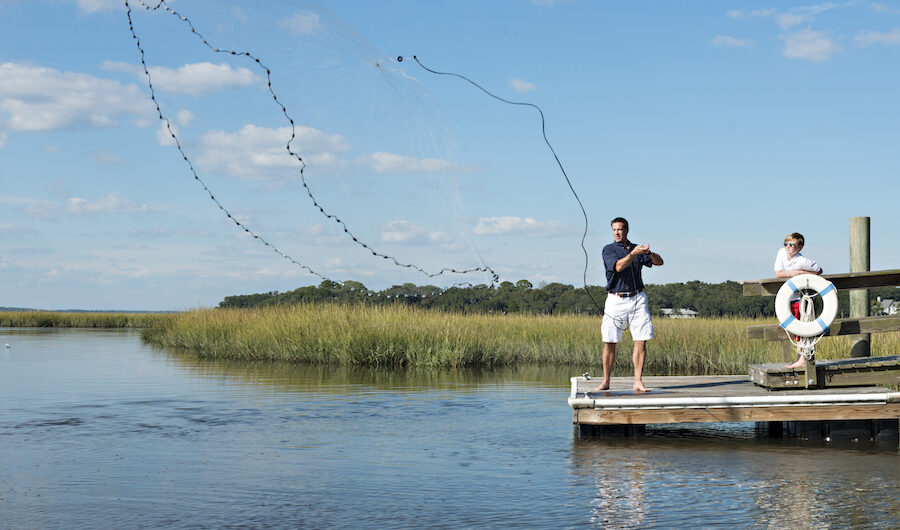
point(798, 272)
point(808, 266)
point(623, 263)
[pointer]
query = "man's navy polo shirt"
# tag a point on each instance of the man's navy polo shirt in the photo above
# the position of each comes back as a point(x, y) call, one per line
point(629, 280)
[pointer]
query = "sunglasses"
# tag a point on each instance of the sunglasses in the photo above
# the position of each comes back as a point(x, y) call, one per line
point(792, 245)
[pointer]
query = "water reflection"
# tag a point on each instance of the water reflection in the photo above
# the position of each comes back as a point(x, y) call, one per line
point(715, 479)
point(137, 437)
point(291, 377)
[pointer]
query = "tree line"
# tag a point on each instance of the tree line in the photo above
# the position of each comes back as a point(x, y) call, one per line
point(707, 299)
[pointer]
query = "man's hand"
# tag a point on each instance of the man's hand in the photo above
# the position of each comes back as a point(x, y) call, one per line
point(640, 249)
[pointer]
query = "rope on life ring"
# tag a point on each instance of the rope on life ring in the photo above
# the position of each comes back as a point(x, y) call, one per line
point(812, 282)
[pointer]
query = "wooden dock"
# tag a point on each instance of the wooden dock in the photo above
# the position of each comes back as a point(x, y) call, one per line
point(730, 398)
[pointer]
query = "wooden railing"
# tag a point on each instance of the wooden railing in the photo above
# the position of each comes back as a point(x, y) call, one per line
point(841, 326)
point(848, 280)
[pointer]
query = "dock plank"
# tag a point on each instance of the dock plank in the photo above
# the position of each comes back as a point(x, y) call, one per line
point(736, 414)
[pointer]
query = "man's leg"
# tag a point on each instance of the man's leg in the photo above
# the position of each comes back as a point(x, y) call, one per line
point(640, 352)
point(641, 332)
point(609, 359)
point(611, 334)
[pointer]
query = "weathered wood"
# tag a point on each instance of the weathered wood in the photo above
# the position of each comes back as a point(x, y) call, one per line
point(848, 280)
point(788, 351)
point(860, 371)
point(719, 415)
point(860, 345)
point(734, 398)
point(810, 373)
point(704, 385)
point(776, 377)
point(840, 326)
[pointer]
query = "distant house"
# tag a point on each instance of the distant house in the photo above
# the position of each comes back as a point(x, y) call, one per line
point(680, 313)
point(886, 306)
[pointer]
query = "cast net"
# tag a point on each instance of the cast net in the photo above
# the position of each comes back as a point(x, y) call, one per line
point(310, 141)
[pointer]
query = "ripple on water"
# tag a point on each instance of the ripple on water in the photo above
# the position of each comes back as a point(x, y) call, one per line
point(135, 438)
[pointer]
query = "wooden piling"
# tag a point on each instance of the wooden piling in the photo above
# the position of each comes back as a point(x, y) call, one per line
point(860, 345)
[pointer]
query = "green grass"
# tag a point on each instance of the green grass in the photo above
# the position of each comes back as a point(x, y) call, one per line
point(400, 336)
point(58, 319)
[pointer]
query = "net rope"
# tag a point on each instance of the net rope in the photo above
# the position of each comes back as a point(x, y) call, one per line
point(162, 5)
point(806, 346)
point(562, 169)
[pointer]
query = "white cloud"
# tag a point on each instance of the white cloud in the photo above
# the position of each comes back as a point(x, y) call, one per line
point(192, 79)
point(105, 158)
point(759, 13)
point(93, 6)
point(36, 208)
point(184, 117)
point(809, 45)
point(259, 153)
point(35, 98)
point(405, 232)
point(4, 137)
point(517, 225)
point(301, 23)
point(521, 86)
point(112, 203)
point(726, 40)
point(786, 20)
point(164, 136)
point(881, 8)
point(388, 163)
point(803, 14)
point(867, 38)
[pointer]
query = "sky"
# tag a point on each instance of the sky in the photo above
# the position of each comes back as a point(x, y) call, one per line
point(715, 128)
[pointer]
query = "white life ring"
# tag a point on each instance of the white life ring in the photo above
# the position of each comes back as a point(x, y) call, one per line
point(829, 301)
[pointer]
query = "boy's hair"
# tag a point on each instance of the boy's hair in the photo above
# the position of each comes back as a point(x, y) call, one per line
point(796, 236)
point(623, 221)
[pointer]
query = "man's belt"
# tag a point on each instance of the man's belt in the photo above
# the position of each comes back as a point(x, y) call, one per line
point(627, 294)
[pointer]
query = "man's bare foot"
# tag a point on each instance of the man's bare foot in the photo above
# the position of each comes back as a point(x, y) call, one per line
point(796, 364)
point(602, 387)
point(640, 388)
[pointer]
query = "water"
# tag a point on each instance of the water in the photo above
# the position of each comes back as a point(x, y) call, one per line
point(99, 430)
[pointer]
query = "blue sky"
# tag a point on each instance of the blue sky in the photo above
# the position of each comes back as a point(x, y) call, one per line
point(715, 127)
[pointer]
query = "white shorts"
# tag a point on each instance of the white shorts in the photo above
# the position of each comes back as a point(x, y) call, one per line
point(620, 313)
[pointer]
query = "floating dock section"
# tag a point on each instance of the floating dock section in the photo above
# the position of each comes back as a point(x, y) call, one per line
point(733, 398)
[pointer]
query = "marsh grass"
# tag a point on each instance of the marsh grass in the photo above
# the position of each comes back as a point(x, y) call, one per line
point(59, 319)
point(400, 336)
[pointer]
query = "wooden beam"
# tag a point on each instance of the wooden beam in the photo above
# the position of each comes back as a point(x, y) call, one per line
point(731, 414)
point(848, 280)
point(841, 326)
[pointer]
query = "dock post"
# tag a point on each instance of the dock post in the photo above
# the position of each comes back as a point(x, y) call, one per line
point(859, 298)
